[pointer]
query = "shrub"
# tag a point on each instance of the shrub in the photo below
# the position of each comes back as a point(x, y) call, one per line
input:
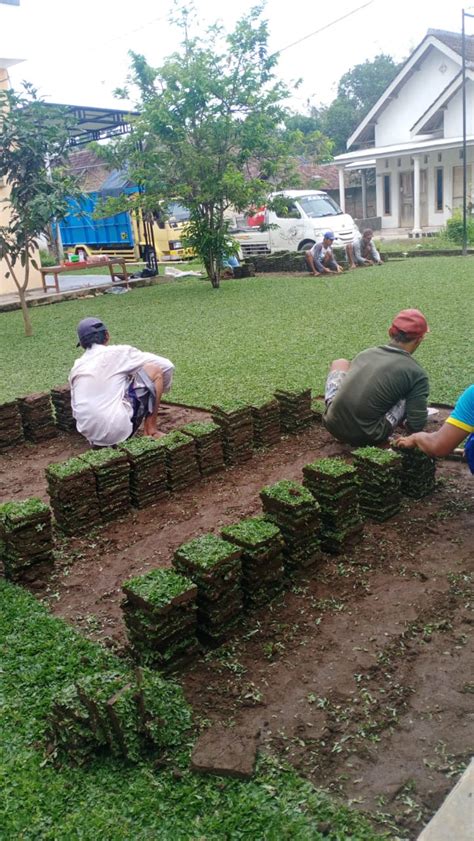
point(454, 228)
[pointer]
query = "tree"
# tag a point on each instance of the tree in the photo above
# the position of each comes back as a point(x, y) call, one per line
point(358, 90)
point(32, 152)
point(211, 131)
point(365, 83)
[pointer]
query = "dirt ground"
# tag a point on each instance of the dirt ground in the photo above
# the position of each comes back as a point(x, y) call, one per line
point(361, 676)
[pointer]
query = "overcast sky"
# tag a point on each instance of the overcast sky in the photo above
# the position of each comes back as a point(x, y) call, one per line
point(77, 52)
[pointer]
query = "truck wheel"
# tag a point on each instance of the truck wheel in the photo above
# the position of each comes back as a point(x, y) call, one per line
point(306, 245)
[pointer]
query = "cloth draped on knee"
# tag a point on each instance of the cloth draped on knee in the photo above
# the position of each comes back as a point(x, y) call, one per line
point(141, 393)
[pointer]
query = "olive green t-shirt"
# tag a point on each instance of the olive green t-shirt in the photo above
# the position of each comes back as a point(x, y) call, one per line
point(377, 379)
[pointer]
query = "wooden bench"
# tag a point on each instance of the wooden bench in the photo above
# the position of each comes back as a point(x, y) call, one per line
point(116, 276)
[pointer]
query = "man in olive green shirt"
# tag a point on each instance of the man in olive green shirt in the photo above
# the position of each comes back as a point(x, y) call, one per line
point(382, 386)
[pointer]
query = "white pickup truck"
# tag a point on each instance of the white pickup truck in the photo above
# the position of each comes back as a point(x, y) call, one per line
point(304, 217)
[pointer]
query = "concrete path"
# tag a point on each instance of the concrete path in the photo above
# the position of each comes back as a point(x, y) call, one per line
point(454, 820)
point(74, 286)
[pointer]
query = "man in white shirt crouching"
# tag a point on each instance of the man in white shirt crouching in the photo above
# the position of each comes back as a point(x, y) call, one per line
point(115, 387)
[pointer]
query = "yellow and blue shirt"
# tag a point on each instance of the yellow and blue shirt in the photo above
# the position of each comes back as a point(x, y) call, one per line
point(463, 418)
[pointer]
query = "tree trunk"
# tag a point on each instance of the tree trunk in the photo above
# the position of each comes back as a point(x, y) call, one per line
point(22, 287)
point(25, 312)
point(213, 271)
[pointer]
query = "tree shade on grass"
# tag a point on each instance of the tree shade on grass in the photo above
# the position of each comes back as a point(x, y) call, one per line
point(111, 800)
point(258, 334)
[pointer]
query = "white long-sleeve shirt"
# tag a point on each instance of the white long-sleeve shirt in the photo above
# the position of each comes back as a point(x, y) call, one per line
point(99, 381)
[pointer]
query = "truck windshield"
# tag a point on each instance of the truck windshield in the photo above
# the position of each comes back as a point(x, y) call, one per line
point(318, 206)
point(177, 212)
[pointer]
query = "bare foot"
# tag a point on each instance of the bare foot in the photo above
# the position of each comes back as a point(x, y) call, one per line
point(155, 434)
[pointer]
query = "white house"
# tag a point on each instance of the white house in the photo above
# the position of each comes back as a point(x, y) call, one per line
point(413, 137)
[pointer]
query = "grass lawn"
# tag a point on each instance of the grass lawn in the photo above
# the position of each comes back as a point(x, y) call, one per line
point(109, 800)
point(254, 335)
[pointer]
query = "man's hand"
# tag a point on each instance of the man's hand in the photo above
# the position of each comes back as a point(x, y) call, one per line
point(407, 443)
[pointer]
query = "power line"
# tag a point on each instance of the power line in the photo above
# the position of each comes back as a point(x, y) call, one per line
point(326, 26)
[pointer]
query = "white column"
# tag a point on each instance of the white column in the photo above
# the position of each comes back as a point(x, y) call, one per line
point(416, 232)
point(364, 193)
point(342, 195)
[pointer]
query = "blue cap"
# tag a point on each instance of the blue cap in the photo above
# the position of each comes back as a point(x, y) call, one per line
point(329, 235)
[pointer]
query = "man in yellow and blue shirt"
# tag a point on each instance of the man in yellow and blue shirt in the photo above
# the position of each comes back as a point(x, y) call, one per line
point(459, 424)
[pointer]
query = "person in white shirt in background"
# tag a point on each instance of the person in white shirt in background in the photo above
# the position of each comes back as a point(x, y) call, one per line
point(362, 251)
point(115, 387)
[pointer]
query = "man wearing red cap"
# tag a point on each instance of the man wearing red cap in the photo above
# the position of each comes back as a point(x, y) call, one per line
point(366, 399)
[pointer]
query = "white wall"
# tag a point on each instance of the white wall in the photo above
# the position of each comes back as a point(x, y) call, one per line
point(453, 113)
point(7, 284)
point(448, 160)
point(416, 95)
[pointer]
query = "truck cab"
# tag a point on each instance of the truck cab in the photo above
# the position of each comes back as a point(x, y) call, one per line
point(299, 220)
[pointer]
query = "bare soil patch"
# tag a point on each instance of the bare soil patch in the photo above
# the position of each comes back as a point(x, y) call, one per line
point(361, 676)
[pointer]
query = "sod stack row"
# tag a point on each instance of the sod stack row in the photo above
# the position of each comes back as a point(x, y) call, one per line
point(418, 473)
point(181, 460)
point(333, 483)
point(148, 473)
point(292, 508)
point(73, 495)
point(112, 477)
point(215, 567)
point(123, 714)
point(160, 616)
point(209, 447)
point(237, 432)
point(11, 429)
point(266, 423)
point(37, 417)
point(379, 476)
point(262, 545)
point(61, 400)
point(295, 409)
point(26, 538)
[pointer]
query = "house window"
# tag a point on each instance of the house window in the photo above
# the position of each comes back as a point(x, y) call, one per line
point(440, 157)
point(386, 163)
point(439, 197)
point(387, 198)
point(426, 159)
point(399, 162)
point(461, 154)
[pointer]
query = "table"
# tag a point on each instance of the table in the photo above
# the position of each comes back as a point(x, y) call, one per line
point(116, 276)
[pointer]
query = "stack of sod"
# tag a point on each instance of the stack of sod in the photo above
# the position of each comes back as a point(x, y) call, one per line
point(26, 538)
point(148, 475)
point(296, 513)
point(216, 568)
point(295, 409)
point(379, 477)
point(237, 431)
point(123, 714)
point(11, 430)
point(181, 460)
point(160, 616)
point(61, 399)
point(418, 477)
point(262, 558)
point(333, 484)
point(209, 447)
point(266, 423)
point(73, 495)
point(37, 417)
point(318, 407)
point(112, 476)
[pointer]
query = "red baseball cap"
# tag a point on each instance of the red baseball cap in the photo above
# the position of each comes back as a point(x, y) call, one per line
point(411, 322)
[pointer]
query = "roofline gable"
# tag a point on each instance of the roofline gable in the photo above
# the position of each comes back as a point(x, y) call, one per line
point(428, 41)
